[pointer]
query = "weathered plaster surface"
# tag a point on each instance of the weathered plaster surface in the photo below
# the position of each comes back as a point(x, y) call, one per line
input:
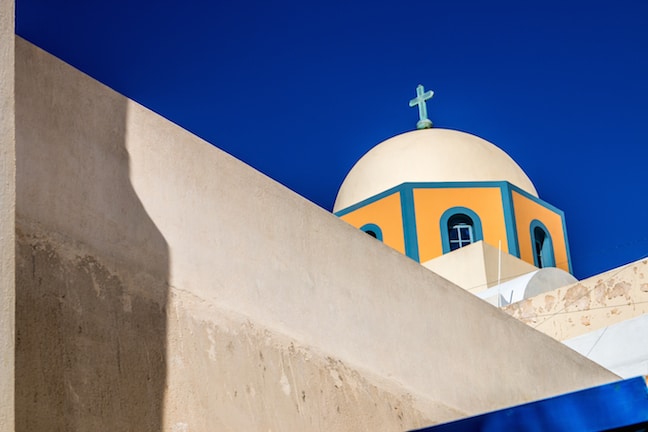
point(90, 348)
point(7, 215)
point(233, 374)
point(132, 228)
point(93, 267)
point(588, 305)
point(88, 359)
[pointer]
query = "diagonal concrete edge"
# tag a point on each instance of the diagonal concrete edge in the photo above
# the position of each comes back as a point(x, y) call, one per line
point(242, 243)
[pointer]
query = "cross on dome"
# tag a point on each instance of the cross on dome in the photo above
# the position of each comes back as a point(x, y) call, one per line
point(421, 97)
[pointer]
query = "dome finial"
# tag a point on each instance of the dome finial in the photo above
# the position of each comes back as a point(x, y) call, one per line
point(421, 97)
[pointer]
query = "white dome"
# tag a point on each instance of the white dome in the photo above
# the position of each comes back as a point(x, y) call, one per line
point(428, 155)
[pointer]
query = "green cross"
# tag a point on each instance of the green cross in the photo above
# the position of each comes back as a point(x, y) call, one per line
point(421, 97)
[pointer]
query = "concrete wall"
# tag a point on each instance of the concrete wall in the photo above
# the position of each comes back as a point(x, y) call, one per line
point(92, 268)
point(7, 212)
point(166, 285)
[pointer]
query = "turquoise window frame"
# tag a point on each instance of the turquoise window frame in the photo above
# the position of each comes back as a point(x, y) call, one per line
point(374, 228)
point(477, 232)
point(547, 252)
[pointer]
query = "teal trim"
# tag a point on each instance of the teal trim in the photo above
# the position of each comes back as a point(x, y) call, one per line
point(373, 228)
point(507, 201)
point(421, 185)
point(453, 185)
point(553, 209)
point(409, 223)
point(535, 199)
point(370, 200)
point(509, 220)
point(569, 261)
point(443, 224)
point(547, 252)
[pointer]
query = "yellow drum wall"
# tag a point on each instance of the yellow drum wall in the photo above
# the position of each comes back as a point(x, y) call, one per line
point(387, 214)
point(526, 211)
point(430, 204)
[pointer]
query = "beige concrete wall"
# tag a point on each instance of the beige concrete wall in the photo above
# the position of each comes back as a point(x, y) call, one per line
point(92, 270)
point(7, 219)
point(591, 304)
point(88, 356)
point(233, 374)
point(166, 285)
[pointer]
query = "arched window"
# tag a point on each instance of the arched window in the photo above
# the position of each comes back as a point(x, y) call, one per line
point(373, 230)
point(460, 227)
point(543, 254)
point(460, 231)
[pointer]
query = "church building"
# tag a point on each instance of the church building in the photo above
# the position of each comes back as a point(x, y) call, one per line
point(465, 209)
point(432, 191)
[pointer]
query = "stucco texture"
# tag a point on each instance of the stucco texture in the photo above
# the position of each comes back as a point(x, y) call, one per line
point(164, 285)
point(92, 277)
point(7, 217)
point(589, 305)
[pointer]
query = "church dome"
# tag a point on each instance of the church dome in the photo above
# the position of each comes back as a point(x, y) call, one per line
point(428, 155)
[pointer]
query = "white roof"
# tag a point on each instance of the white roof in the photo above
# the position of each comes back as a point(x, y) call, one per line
point(428, 155)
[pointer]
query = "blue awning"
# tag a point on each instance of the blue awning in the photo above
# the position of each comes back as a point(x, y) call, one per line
point(619, 406)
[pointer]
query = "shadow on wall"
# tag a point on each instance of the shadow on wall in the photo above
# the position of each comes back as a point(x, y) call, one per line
point(91, 266)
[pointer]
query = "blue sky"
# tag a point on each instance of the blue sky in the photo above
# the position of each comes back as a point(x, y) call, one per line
point(301, 90)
